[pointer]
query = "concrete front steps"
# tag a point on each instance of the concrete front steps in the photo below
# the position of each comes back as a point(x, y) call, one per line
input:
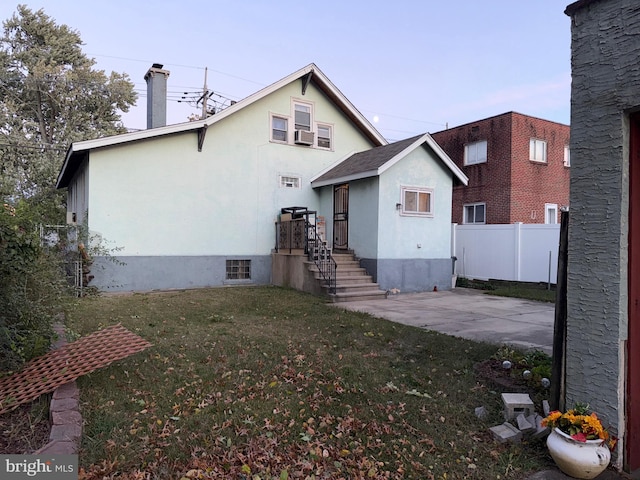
point(352, 281)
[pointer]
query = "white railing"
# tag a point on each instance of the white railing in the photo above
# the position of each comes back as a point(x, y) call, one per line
point(517, 252)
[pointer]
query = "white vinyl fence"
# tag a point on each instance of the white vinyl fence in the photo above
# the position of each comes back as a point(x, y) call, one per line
point(520, 252)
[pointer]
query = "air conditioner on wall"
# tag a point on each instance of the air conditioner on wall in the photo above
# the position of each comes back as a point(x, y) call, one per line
point(303, 137)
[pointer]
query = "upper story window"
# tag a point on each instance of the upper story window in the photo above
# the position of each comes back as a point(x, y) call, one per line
point(475, 213)
point(324, 136)
point(475, 152)
point(417, 201)
point(567, 156)
point(537, 150)
point(302, 115)
point(550, 213)
point(279, 127)
point(299, 127)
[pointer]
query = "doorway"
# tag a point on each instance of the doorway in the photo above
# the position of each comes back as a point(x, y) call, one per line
point(632, 439)
point(341, 217)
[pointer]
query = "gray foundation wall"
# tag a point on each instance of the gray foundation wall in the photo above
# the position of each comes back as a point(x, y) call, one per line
point(410, 275)
point(606, 87)
point(161, 273)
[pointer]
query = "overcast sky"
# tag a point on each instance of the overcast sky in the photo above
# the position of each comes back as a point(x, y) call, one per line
point(410, 66)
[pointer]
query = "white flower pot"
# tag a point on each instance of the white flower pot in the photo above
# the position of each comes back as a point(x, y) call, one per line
point(578, 459)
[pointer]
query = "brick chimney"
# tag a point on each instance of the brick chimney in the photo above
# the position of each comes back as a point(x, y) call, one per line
point(156, 79)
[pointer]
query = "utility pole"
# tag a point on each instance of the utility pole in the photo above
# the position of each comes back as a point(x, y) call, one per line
point(205, 93)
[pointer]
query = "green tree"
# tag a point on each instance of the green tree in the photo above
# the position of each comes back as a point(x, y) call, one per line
point(50, 96)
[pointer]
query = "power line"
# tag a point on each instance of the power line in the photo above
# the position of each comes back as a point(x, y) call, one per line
point(178, 65)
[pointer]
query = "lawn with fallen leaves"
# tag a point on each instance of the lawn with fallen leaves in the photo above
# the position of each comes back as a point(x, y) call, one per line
point(269, 383)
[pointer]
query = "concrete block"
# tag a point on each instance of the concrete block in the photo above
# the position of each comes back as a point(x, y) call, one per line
point(481, 412)
point(541, 432)
point(66, 433)
point(68, 390)
point(63, 404)
point(546, 409)
point(506, 433)
point(524, 425)
point(68, 417)
point(58, 447)
point(516, 404)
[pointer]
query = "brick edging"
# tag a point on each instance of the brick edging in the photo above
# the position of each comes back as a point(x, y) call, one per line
point(64, 413)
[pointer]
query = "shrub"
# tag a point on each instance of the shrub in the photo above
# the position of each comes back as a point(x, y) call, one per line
point(31, 290)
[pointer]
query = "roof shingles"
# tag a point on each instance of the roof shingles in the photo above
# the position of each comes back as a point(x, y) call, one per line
point(368, 161)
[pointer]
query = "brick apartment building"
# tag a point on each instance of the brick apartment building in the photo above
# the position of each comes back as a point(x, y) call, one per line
point(518, 169)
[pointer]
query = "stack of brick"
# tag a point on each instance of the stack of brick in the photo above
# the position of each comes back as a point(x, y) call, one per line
point(64, 414)
point(520, 420)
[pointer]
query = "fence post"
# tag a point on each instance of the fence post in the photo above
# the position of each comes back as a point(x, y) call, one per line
point(517, 232)
point(557, 391)
point(454, 239)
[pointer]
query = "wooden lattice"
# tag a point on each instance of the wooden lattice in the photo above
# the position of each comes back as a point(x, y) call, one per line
point(46, 373)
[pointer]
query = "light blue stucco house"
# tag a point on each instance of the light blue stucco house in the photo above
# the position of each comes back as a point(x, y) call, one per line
point(198, 203)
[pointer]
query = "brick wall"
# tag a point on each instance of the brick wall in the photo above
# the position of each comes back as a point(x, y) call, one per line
point(513, 188)
point(534, 184)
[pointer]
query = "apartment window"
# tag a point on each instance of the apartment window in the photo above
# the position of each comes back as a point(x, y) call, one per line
point(537, 150)
point(302, 115)
point(475, 213)
point(475, 152)
point(238, 270)
point(550, 213)
point(279, 129)
point(324, 136)
point(289, 181)
point(417, 201)
point(567, 156)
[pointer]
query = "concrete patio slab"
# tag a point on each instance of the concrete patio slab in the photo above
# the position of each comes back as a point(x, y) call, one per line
point(470, 314)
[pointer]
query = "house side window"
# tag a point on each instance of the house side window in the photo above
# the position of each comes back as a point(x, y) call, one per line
point(324, 136)
point(302, 115)
point(475, 213)
point(279, 127)
point(475, 152)
point(238, 270)
point(537, 150)
point(417, 201)
point(550, 213)
point(289, 181)
point(567, 156)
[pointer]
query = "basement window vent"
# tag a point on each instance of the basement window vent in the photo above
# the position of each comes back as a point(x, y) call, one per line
point(238, 270)
point(289, 181)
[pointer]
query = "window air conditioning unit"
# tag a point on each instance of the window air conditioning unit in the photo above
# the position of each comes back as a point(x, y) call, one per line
point(71, 218)
point(303, 137)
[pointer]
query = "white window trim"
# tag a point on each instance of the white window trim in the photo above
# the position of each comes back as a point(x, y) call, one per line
point(567, 156)
point(547, 207)
point(330, 127)
point(465, 220)
point(466, 153)
point(283, 181)
point(288, 131)
point(533, 142)
point(411, 213)
point(311, 105)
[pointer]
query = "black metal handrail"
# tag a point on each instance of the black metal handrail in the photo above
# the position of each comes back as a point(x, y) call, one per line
point(300, 233)
point(320, 254)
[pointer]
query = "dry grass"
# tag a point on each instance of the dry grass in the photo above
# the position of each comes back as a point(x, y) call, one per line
point(269, 383)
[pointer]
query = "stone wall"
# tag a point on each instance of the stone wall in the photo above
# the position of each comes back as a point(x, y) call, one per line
point(606, 88)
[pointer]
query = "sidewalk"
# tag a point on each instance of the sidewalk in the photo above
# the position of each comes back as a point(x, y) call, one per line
point(471, 314)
